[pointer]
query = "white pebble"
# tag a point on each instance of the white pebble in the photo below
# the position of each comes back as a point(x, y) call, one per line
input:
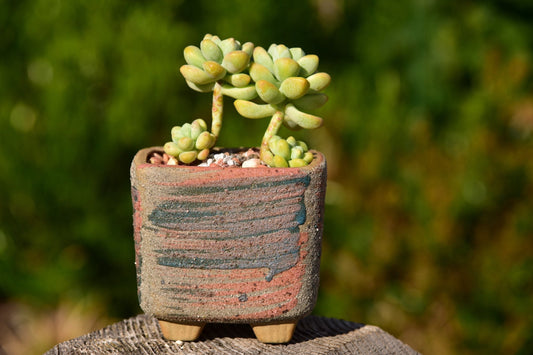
point(252, 163)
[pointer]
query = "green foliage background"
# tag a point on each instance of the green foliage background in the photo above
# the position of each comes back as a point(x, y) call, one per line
point(428, 135)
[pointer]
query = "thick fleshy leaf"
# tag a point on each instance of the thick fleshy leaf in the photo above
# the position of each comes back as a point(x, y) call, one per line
point(294, 88)
point(297, 152)
point(211, 51)
point(269, 92)
point(172, 148)
point(229, 45)
point(277, 51)
point(203, 154)
point(262, 57)
point(297, 53)
point(200, 122)
point(193, 56)
point(236, 61)
point(244, 93)
point(248, 47)
point(196, 75)
point(285, 68)
point(185, 143)
point(213, 38)
point(214, 69)
point(308, 64)
point(238, 80)
point(297, 163)
point(310, 101)
point(205, 141)
point(188, 157)
point(201, 88)
point(260, 72)
point(176, 133)
point(250, 109)
point(319, 81)
point(279, 162)
point(302, 119)
point(280, 147)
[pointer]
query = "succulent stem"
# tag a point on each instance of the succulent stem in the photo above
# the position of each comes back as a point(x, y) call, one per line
point(272, 130)
point(217, 110)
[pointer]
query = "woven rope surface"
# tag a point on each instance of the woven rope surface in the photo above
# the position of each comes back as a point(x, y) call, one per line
point(313, 335)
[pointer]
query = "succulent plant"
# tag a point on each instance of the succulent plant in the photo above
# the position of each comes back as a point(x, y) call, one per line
point(217, 66)
point(287, 152)
point(280, 82)
point(287, 84)
point(190, 142)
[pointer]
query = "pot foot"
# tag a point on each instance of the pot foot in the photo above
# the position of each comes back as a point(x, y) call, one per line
point(178, 331)
point(275, 333)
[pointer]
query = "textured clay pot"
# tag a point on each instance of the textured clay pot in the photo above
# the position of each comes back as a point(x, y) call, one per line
point(227, 245)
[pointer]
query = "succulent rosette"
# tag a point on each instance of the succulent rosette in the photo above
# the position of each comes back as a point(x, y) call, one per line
point(190, 142)
point(219, 61)
point(281, 83)
point(287, 84)
point(218, 66)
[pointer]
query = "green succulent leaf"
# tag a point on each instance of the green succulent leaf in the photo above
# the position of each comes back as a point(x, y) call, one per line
point(319, 81)
point(188, 157)
point(238, 80)
point(268, 92)
point(308, 157)
point(308, 64)
point(203, 154)
point(297, 152)
point(260, 72)
point(201, 123)
point(285, 68)
point(262, 57)
point(277, 51)
point(292, 141)
point(186, 130)
point(211, 51)
point(252, 110)
point(205, 140)
point(213, 38)
point(201, 88)
point(279, 162)
point(303, 145)
point(244, 93)
point(248, 47)
point(172, 148)
point(175, 133)
point(294, 87)
point(296, 53)
point(193, 56)
point(297, 163)
point(185, 143)
point(236, 61)
point(301, 119)
point(196, 75)
point(280, 147)
point(310, 101)
point(229, 45)
point(214, 69)
point(268, 158)
point(197, 127)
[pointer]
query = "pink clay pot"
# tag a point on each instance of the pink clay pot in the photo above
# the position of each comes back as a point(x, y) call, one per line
point(227, 245)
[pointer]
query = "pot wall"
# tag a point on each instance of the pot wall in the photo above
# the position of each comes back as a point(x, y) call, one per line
point(227, 244)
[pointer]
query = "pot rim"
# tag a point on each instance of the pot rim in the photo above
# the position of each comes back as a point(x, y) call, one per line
point(141, 160)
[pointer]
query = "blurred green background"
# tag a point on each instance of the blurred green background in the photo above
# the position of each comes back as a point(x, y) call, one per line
point(428, 136)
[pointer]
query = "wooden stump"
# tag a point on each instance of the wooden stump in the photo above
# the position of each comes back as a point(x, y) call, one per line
point(312, 335)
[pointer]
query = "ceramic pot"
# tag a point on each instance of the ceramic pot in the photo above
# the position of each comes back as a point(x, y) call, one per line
point(227, 245)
